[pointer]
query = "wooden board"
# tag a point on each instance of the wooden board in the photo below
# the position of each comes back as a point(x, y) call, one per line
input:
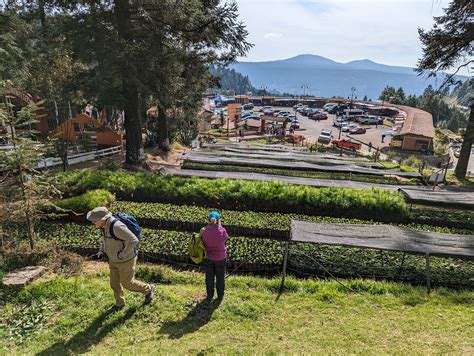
point(383, 237)
point(464, 199)
point(313, 182)
point(286, 157)
point(345, 156)
point(350, 168)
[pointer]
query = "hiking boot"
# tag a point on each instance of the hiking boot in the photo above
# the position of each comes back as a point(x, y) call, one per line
point(149, 297)
point(115, 308)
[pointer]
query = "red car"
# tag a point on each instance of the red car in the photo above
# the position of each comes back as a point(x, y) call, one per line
point(346, 144)
point(358, 130)
point(319, 116)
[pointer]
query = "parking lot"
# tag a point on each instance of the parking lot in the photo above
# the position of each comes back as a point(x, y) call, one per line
point(311, 129)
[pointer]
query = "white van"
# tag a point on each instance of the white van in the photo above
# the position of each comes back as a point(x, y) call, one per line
point(329, 106)
point(352, 113)
point(369, 120)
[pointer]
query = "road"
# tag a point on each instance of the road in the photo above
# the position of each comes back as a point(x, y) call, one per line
point(470, 166)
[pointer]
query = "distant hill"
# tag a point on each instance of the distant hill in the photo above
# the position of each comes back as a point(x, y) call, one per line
point(230, 80)
point(463, 93)
point(328, 78)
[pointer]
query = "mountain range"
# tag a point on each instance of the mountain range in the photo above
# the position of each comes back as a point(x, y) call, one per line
point(320, 76)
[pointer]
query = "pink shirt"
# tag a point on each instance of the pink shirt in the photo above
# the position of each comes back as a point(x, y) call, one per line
point(214, 238)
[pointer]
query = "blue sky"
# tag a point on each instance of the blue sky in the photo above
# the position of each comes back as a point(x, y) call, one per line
point(384, 31)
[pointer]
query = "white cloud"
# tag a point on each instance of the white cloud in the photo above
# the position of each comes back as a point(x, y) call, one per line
point(272, 35)
point(385, 31)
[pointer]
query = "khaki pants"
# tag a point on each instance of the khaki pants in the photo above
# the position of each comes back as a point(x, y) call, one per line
point(122, 275)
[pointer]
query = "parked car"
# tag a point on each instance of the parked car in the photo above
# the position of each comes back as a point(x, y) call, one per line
point(244, 114)
point(340, 123)
point(358, 130)
point(284, 113)
point(348, 127)
point(253, 116)
point(295, 125)
point(302, 108)
point(297, 106)
point(292, 117)
point(307, 112)
point(329, 106)
point(319, 116)
point(345, 143)
point(369, 120)
point(338, 108)
point(265, 108)
point(325, 137)
point(353, 113)
point(248, 106)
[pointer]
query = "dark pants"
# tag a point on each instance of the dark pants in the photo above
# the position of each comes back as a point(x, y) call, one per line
point(215, 277)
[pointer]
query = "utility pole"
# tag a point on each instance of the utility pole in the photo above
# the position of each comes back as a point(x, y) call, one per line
point(264, 88)
point(304, 87)
point(353, 89)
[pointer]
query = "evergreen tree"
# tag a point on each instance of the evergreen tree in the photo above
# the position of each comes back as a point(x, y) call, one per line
point(25, 190)
point(446, 44)
point(400, 96)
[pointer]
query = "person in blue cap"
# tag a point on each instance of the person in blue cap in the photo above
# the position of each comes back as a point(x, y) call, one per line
point(214, 238)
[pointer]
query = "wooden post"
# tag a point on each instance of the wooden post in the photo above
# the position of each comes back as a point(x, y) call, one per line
point(428, 273)
point(285, 261)
point(435, 182)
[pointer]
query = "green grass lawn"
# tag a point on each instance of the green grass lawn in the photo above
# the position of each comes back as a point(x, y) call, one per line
point(65, 315)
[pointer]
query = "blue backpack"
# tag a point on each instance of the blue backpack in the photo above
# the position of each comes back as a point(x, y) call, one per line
point(128, 220)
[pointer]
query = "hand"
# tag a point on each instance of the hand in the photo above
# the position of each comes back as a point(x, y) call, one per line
point(119, 255)
point(97, 256)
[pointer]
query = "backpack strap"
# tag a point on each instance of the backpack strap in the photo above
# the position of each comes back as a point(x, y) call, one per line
point(111, 229)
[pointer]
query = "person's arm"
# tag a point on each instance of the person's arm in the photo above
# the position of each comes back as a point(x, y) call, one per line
point(226, 236)
point(101, 248)
point(129, 239)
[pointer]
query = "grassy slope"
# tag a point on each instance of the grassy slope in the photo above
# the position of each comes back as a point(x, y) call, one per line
point(311, 316)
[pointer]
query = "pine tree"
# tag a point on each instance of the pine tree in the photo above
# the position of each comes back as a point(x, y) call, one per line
point(447, 43)
point(25, 190)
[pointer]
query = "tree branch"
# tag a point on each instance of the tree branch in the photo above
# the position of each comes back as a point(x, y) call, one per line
point(449, 78)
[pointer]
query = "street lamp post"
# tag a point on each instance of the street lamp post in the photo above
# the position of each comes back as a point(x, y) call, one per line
point(304, 87)
point(264, 88)
point(353, 89)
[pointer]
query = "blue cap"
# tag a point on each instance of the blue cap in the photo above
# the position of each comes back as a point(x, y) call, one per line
point(214, 214)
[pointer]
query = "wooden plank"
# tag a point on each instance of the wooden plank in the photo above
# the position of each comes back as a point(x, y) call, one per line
point(312, 182)
point(300, 165)
point(383, 237)
point(277, 148)
point(345, 157)
point(439, 197)
point(283, 157)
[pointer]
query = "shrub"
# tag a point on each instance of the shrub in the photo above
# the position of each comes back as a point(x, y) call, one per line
point(239, 194)
point(87, 201)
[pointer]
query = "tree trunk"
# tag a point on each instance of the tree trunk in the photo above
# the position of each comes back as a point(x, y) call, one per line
point(463, 161)
point(42, 14)
point(133, 125)
point(163, 138)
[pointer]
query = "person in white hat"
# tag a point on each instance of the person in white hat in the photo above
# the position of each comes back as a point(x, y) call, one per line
point(120, 248)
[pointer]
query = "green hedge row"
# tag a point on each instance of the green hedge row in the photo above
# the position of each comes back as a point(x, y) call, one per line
point(87, 201)
point(237, 194)
point(250, 253)
point(248, 223)
point(299, 173)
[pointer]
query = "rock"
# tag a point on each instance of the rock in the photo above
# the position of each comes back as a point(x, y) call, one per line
point(23, 276)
